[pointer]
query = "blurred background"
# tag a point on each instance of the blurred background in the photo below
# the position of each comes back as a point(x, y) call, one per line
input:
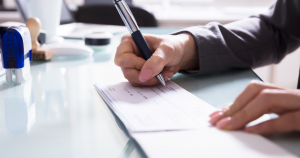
point(185, 13)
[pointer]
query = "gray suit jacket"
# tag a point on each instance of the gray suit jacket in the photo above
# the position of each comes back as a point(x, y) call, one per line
point(249, 43)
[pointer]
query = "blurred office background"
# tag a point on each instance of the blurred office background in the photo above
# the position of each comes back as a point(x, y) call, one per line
point(185, 13)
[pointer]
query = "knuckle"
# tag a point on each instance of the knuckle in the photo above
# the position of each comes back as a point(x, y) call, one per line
point(167, 47)
point(127, 75)
point(266, 94)
point(118, 50)
point(160, 61)
point(243, 114)
point(137, 64)
point(254, 84)
point(117, 60)
point(123, 45)
point(228, 110)
point(125, 37)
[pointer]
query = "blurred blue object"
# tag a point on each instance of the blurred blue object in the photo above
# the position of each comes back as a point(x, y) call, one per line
point(16, 53)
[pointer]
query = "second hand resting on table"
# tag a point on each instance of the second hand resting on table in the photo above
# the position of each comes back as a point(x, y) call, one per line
point(179, 52)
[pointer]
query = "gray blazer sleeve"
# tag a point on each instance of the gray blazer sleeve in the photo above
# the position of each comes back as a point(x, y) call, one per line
point(251, 42)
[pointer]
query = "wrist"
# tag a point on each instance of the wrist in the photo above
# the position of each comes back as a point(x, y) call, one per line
point(190, 59)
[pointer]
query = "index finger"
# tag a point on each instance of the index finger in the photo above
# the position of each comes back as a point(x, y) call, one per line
point(268, 100)
point(128, 45)
point(248, 94)
point(128, 55)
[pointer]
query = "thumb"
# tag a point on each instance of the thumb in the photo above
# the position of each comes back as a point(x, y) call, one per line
point(153, 66)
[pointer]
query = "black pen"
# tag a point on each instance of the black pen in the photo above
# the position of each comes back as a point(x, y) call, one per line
point(135, 32)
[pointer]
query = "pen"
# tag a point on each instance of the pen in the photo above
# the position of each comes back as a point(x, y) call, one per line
point(135, 32)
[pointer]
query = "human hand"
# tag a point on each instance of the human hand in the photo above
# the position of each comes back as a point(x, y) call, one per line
point(171, 54)
point(257, 99)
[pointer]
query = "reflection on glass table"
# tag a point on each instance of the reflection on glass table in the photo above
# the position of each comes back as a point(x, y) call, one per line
point(20, 110)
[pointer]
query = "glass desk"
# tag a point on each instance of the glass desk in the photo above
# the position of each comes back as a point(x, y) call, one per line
point(58, 113)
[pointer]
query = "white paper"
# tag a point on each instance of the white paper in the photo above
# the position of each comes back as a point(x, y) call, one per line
point(171, 122)
point(155, 108)
point(208, 143)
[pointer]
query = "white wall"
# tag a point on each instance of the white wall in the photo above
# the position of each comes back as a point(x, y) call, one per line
point(284, 74)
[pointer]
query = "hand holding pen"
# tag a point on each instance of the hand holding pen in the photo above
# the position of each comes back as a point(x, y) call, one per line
point(171, 53)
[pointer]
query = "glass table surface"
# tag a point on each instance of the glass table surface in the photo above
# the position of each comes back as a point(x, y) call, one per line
point(58, 113)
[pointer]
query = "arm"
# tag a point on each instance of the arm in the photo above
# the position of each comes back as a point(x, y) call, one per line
point(252, 42)
point(266, 39)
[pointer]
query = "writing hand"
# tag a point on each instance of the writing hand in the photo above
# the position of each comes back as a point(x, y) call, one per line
point(257, 99)
point(171, 54)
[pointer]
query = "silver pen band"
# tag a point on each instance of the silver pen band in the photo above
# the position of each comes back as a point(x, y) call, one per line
point(161, 79)
point(126, 16)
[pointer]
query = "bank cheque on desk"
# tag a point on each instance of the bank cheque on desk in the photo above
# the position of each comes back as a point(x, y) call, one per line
point(172, 113)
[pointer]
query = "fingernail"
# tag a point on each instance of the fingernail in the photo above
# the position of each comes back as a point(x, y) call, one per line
point(214, 119)
point(224, 123)
point(251, 129)
point(145, 75)
point(171, 68)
